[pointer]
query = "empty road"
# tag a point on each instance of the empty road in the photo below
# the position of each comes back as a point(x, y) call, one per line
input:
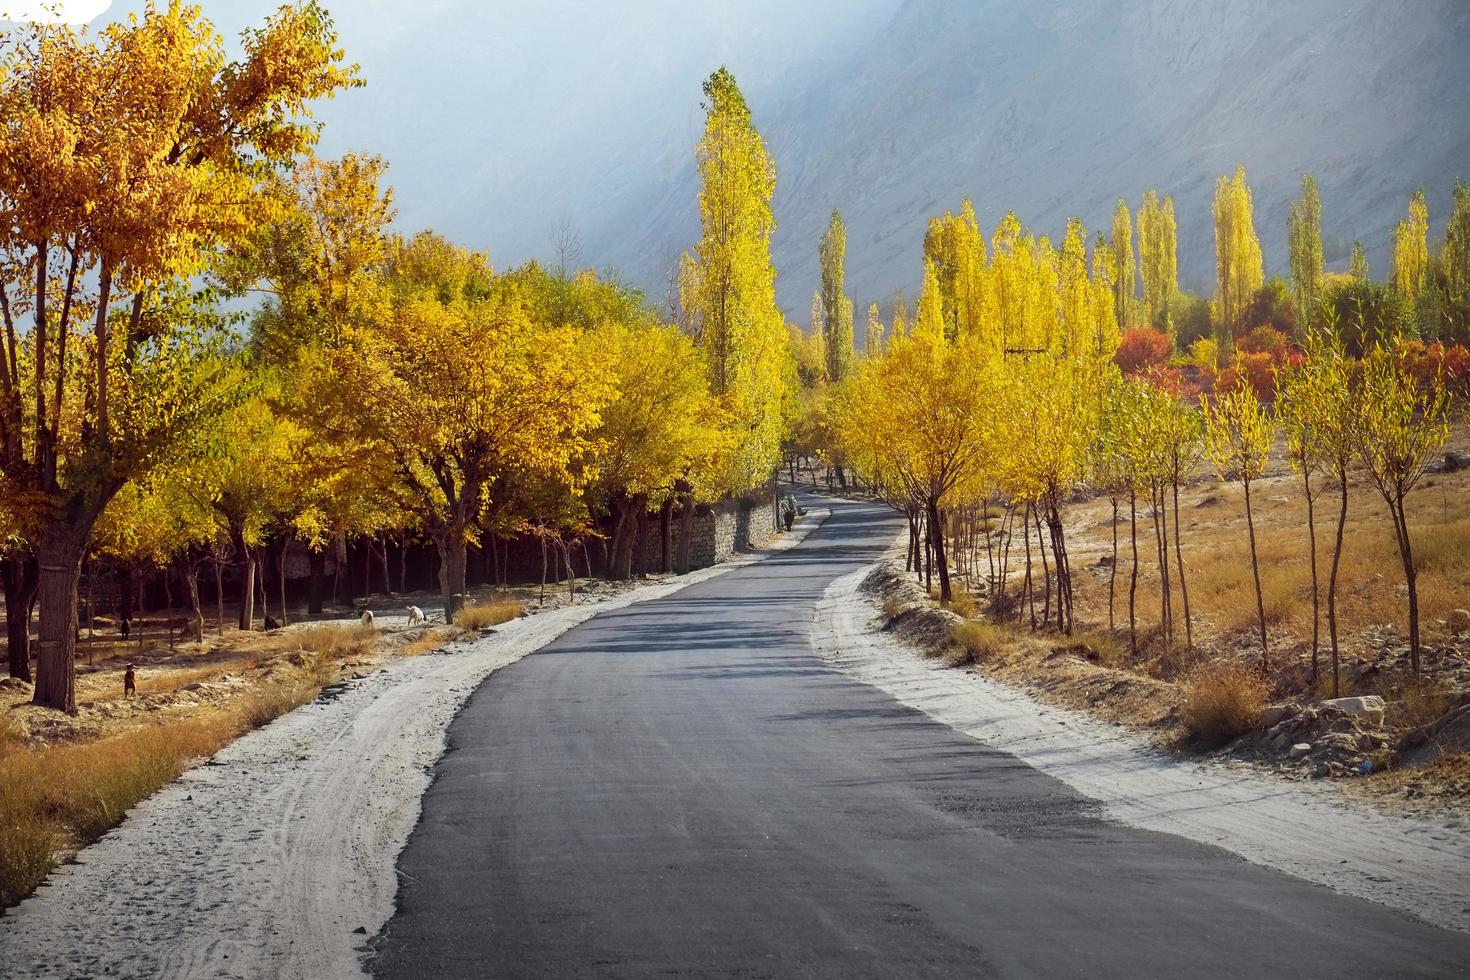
point(683, 788)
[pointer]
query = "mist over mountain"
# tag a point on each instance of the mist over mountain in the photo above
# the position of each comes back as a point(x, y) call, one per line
point(499, 119)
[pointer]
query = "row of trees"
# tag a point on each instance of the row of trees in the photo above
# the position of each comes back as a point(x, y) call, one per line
point(981, 426)
point(389, 386)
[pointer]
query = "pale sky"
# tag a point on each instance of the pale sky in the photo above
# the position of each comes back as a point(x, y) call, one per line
point(71, 11)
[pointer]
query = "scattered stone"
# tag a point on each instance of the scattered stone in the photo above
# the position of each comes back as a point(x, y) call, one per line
point(1275, 714)
point(1460, 621)
point(1300, 749)
point(1454, 462)
point(1369, 706)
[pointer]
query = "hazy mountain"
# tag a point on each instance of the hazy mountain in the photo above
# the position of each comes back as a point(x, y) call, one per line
point(499, 118)
point(1055, 109)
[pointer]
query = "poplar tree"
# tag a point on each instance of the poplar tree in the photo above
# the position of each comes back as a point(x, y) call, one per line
point(1157, 258)
point(741, 329)
point(1124, 281)
point(836, 307)
point(1358, 263)
point(873, 336)
point(1238, 267)
point(1304, 247)
point(1457, 253)
point(1411, 248)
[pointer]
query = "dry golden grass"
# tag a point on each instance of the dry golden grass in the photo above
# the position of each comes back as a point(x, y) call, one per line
point(963, 603)
point(430, 641)
point(60, 797)
point(492, 613)
point(893, 607)
point(55, 798)
point(977, 641)
point(1222, 701)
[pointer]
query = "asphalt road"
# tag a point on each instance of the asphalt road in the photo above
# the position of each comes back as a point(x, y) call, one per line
point(682, 788)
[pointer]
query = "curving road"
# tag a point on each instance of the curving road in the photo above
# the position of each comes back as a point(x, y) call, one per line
point(683, 788)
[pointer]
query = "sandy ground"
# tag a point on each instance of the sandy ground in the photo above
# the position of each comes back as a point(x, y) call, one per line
point(1416, 865)
point(277, 857)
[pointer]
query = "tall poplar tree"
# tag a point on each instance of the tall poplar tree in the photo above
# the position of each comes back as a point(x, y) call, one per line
point(1157, 258)
point(741, 329)
point(873, 337)
point(1358, 263)
point(1238, 267)
point(1124, 278)
point(1411, 248)
point(1304, 247)
point(836, 307)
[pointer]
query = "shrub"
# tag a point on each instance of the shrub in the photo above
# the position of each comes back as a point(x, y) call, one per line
point(893, 607)
point(963, 604)
point(1142, 348)
point(485, 614)
point(1204, 354)
point(1265, 340)
point(1222, 702)
point(976, 642)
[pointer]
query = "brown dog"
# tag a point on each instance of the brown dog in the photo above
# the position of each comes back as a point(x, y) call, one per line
point(130, 682)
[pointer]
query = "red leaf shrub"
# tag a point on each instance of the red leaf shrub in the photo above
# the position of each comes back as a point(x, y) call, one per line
point(1143, 348)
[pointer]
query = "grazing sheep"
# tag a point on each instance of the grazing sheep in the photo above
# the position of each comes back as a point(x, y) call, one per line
point(416, 616)
point(367, 618)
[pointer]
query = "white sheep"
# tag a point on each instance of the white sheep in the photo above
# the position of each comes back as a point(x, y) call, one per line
point(367, 618)
point(416, 616)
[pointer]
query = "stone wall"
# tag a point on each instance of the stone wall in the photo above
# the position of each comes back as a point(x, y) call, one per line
point(717, 533)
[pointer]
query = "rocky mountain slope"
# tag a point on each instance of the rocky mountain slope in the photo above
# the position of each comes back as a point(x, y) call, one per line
point(1056, 108)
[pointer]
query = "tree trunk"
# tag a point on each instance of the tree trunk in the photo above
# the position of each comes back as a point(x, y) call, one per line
point(191, 579)
point(382, 540)
point(666, 534)
point(1028, 594)
point(936, 537)
point(18, 576)
point(1411, 577)
point(1250, 523)
point(281, 575)
point(451, 548)
point(1332, 578)
point(1179, 564)
point(1045, 571)
point(316, 563)
point(1113, 569)
point(1316, 593)
point(219, 593)
point(60, 549)
point(1133, 573)
point(246, 619)
point(686, 534)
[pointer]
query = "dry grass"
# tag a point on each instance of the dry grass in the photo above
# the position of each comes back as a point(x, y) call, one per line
point(1222, 702)
point(57, 798)
point(977, 641)
point(430, 641)
point(492, 613)
point(893, 607)
point(964, 604)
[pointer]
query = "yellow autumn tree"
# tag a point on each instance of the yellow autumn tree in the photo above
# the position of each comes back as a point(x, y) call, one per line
point(127, 161)
point(660, 436)
point(1238, 266)
point(446, 373)
point(741, 331)
point(1411, 248)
